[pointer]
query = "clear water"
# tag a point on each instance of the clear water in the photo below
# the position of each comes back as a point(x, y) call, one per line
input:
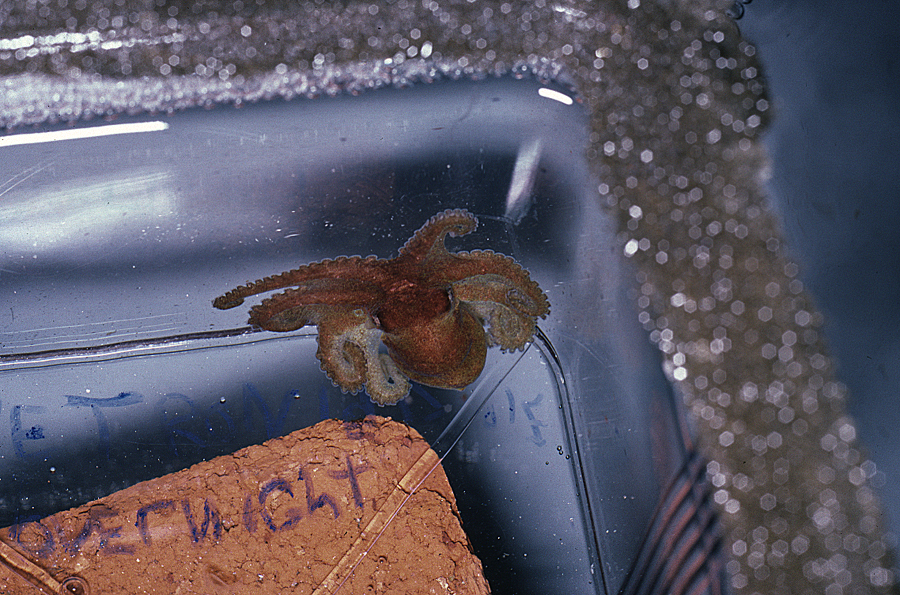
point(115, 368)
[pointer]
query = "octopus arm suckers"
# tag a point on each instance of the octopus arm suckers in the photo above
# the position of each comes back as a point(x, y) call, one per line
point(506, 328)
point(481, 273)
point(351, 359)
point(343, 267)
point(385, 383)
point(314, 301)
point(342, 348)
point(429, 239)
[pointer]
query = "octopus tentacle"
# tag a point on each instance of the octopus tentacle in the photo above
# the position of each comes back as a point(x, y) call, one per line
point(484, 275)
point(506, 328)
point(272, 317)
point(340, 268)
point(509, 313)
point(386, 384)
point(428, 242)
point(294, 308)
point(342, 346)
point(348, 353)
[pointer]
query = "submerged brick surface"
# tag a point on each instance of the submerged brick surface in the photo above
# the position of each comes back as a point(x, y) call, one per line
point(271, 518)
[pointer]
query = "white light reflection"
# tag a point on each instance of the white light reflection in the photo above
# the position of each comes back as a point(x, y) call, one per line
point(79, 133)
point(555, 95)
point(524, 173)
point(72, 41)
point(83, 219)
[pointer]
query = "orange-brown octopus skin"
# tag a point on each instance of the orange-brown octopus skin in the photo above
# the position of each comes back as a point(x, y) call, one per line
point(435, 311)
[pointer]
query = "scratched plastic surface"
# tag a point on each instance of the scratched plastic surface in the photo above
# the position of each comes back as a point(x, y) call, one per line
point(115, 368)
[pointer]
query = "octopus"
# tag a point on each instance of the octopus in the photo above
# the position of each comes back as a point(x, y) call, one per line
point(435, 312)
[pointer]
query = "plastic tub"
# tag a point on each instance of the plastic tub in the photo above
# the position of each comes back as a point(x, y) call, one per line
point(115, 367)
